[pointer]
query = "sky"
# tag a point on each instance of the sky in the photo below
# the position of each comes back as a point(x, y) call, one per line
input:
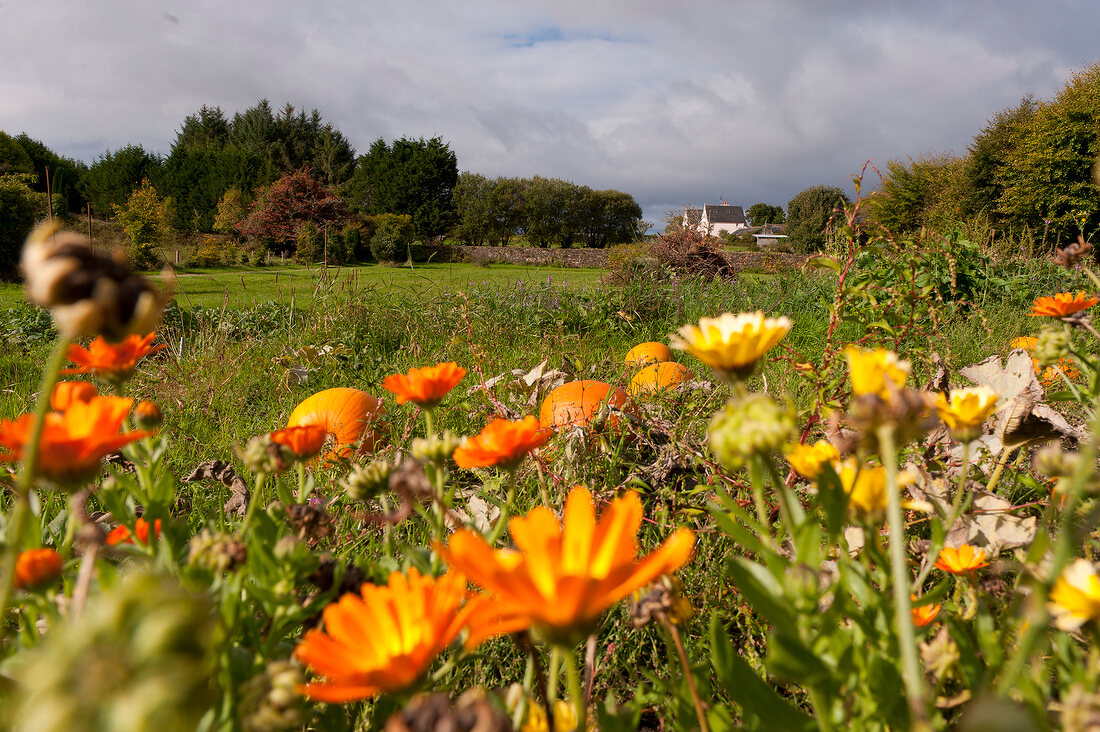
point(677, 102)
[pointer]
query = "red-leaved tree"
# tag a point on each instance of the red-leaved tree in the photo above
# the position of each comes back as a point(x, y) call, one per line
point(295, 199)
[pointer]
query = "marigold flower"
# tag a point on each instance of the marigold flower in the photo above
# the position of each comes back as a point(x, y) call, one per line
point(924, 614)
point(123, 535)
point(502, 442)
point(565, 574)
point(1075, 598)
point(1048, 376)
point(1063, 304)
point(147, 415)
point(961, 559)
point(111, 361)
point(879, 372)
point(37, 567)
point(67, 392)
point(74, 441)
point(304, 441)
point(384, 638)
point(966, 410)
point(809, 460)
point(731, 343)
point(424, 387)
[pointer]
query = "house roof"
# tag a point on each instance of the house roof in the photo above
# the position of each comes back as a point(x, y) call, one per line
point(725, 214)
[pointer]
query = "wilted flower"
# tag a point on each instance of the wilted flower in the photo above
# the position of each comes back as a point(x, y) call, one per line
point(216, 552)
point(424, 387)
point(732, 344)
point(503, 443)
point(750, 425)
point(809, 460)
point(88, 294)
point(114, 362)
point(1062, 304)
point(74, 441)
point(123, 535)
point(1068, 257)
point(37, 567)
point(879, 372)
point(304, 441)
point(965, 410)
point(565, 574)
point(1075, 598)
point(961, 559)
point(67, 392)
point(356, 661)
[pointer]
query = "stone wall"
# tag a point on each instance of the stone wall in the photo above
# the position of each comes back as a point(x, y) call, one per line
point(595, 258)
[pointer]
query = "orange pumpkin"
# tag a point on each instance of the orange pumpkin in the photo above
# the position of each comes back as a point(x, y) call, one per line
point(657, 377)
point(347, 414)
point(651, 352)
point(577, 402)
point(1048, 376)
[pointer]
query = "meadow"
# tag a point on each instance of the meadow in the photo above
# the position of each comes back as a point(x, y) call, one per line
point(782, 618)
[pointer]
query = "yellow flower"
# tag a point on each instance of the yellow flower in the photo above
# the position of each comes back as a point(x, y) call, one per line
point(866, 488)
point(732, 343)
point(808, 460)
point(1075, 599)
point(961, 559)
point(966, 410)
point(878, 372)
point(565, 717)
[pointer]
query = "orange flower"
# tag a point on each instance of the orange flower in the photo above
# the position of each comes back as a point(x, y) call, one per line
point(67, 392)
point(384, 638)
point(425, 387)
point(564, 574)
point(503, 443)
point(111, 361)
point(1063, 304)
point(147, 414)
point(122, 535)
point(37, 567)
point(924, 614)
point(962, 559)
point(74, 441)
point(305, 441)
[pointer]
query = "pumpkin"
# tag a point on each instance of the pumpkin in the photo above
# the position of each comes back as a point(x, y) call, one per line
point(1047, 376)
point(657, 377)
point(577, 402)
point(347, 414)
point(645, 353)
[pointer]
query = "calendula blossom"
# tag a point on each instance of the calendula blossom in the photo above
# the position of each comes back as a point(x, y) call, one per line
point(424, 387)
point(304, 441)
point(74, 441)
point(732, 344)
point(924, 614)
point(961, 559)
point(966, 410)
point(114, 362)
point(879, 371)
point(67, 392)
point(1075, 597)
point(866, 488)
point(503, 443)
point(563, 574)
point(809, 460)
point(384, 637)
point(123, 535)
point(36, 567)
point(1062, 304)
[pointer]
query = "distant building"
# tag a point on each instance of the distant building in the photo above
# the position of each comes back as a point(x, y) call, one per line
point(714, 220)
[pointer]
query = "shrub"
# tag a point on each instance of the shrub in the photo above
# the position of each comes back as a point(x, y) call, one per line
point(810, 223)
point(392, 236)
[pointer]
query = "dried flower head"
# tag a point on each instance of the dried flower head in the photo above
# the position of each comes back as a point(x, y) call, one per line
point(731, 344)
point(961, 559)
point(1062, 304)
point(809, 460)
point(88, 294)
point(216, 552)
point(424, 387)
point(147, 415)
point(37, 567)
point(1075, 597)
point(270, 701)
point(1073, 253)
point(502, 443)
point(365, 482)
point(435, 448)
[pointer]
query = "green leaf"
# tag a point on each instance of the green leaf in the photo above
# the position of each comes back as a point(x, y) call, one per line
point(790, 660)
point(755, 696)
point(763, 592)
point(822, 262)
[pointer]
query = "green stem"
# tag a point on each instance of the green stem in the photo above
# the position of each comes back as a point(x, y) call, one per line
point(257, 497)
point(302, 495)
point(498, 530)
point(756, 478)
point(552, 680)
point(821, 710)
point(387, 527)
point(956, 507)
point(574, 680)
point(793, 513)
point(899, 581)
point(17, 521)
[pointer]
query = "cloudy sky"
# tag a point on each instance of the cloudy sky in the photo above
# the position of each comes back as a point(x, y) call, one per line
point(674, 101)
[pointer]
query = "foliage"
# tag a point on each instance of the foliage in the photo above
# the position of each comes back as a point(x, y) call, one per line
point(310, 245)
point(412, 177)
point(393, 233)
point(231, 211)
point(811, 217)
point(290, 141)
point(760, 214)
point(14, 160)
point(215, 251)
point(20, 207)
point(929, 192)
point(280, 209)
point(113, 176)
point(146, 219)
point(64, 175)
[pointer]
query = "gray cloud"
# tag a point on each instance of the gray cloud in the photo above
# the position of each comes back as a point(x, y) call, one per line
point(675, 103)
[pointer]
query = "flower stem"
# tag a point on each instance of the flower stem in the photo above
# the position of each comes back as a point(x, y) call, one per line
point(688, 676)
point(257, 496)
point(302, 495)
point(574, 680)
point(498, 530)
point(553, 677)
point(899, 581)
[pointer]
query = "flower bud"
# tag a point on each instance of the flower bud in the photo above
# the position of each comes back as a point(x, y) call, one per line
point(754, 424)
point(436, 449)
point(1052, 346)
point(216, 552)
point(261, 455)
point(269, 701)
point(147, 415)
point(365, 482)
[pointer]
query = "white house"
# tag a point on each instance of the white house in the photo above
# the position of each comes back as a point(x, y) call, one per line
point(714, 220)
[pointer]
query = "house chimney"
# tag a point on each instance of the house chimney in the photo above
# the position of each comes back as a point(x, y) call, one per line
point(725, 203)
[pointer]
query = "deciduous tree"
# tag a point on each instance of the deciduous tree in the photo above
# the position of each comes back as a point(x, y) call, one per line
point(809, 217)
